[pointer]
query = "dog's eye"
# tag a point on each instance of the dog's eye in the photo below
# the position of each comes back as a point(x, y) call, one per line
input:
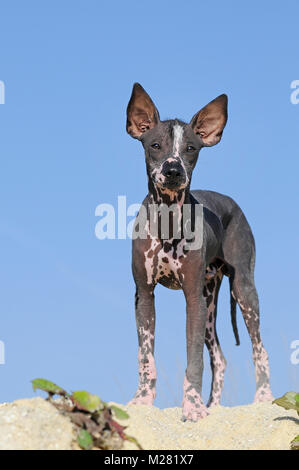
point(155, 146)
point(190, 148)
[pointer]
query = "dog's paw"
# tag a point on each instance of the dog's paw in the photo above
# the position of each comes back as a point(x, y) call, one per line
point(193, 406)
point(194, 411)
point(263, 394)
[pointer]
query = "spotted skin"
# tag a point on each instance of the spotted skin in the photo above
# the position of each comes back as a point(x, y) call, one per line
point(249, 306)
point(171, 152)
point(217, 359)
point(146, 392)
point(193, 406)
point(163, 261)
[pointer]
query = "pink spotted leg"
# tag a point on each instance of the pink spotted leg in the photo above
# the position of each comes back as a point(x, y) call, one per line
point(145, 319)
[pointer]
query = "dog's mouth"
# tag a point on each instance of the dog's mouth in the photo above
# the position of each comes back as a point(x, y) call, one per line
point(171, 186)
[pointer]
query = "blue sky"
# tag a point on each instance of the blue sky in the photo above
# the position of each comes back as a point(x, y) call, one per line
point(67, 298)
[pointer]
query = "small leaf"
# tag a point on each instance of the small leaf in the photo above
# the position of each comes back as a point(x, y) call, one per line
point(86, 401)
point(119, 413)
point(85, 439)
point(295, 443)
point(47, 386)
point(288, 401)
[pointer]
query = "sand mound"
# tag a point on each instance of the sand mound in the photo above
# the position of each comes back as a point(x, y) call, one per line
point(255, 426)
point(36, 424)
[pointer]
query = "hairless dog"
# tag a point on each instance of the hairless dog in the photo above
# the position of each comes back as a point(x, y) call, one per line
point(227, 248)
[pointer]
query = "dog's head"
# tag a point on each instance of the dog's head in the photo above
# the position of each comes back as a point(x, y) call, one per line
point(172, 146)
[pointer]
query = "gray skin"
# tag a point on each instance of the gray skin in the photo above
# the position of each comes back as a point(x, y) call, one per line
point(171, 152)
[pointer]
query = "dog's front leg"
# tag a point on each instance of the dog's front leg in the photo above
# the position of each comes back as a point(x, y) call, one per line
point(145, 322)
point(193, 406)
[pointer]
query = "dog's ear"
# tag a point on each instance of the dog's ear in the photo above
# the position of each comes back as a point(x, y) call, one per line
point(210, 121)
point(142, 114)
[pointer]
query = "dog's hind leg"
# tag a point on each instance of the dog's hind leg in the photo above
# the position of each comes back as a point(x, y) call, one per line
point(244, 291)
point(239, 252)
point(217, 359)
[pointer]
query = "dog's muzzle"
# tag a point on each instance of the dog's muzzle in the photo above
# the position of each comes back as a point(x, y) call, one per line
point(174, 175)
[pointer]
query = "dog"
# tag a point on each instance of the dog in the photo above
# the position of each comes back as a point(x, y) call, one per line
point(227, 249)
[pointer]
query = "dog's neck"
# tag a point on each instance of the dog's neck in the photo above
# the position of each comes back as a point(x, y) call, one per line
point(158, 195)
point(176, 201)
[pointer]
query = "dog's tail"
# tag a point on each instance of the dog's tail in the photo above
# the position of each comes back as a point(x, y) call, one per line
point(233, 314)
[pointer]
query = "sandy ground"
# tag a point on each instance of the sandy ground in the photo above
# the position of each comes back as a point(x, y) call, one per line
point(36, 424)
point(255, 426)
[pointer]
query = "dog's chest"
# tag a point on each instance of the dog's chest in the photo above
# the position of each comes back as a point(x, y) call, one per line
point(164, 261)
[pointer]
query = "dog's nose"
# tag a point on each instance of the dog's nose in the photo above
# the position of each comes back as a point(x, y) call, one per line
point(173, 172)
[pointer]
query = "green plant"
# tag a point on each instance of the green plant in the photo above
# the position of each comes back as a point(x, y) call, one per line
point(93, 417)
point(290, 401)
